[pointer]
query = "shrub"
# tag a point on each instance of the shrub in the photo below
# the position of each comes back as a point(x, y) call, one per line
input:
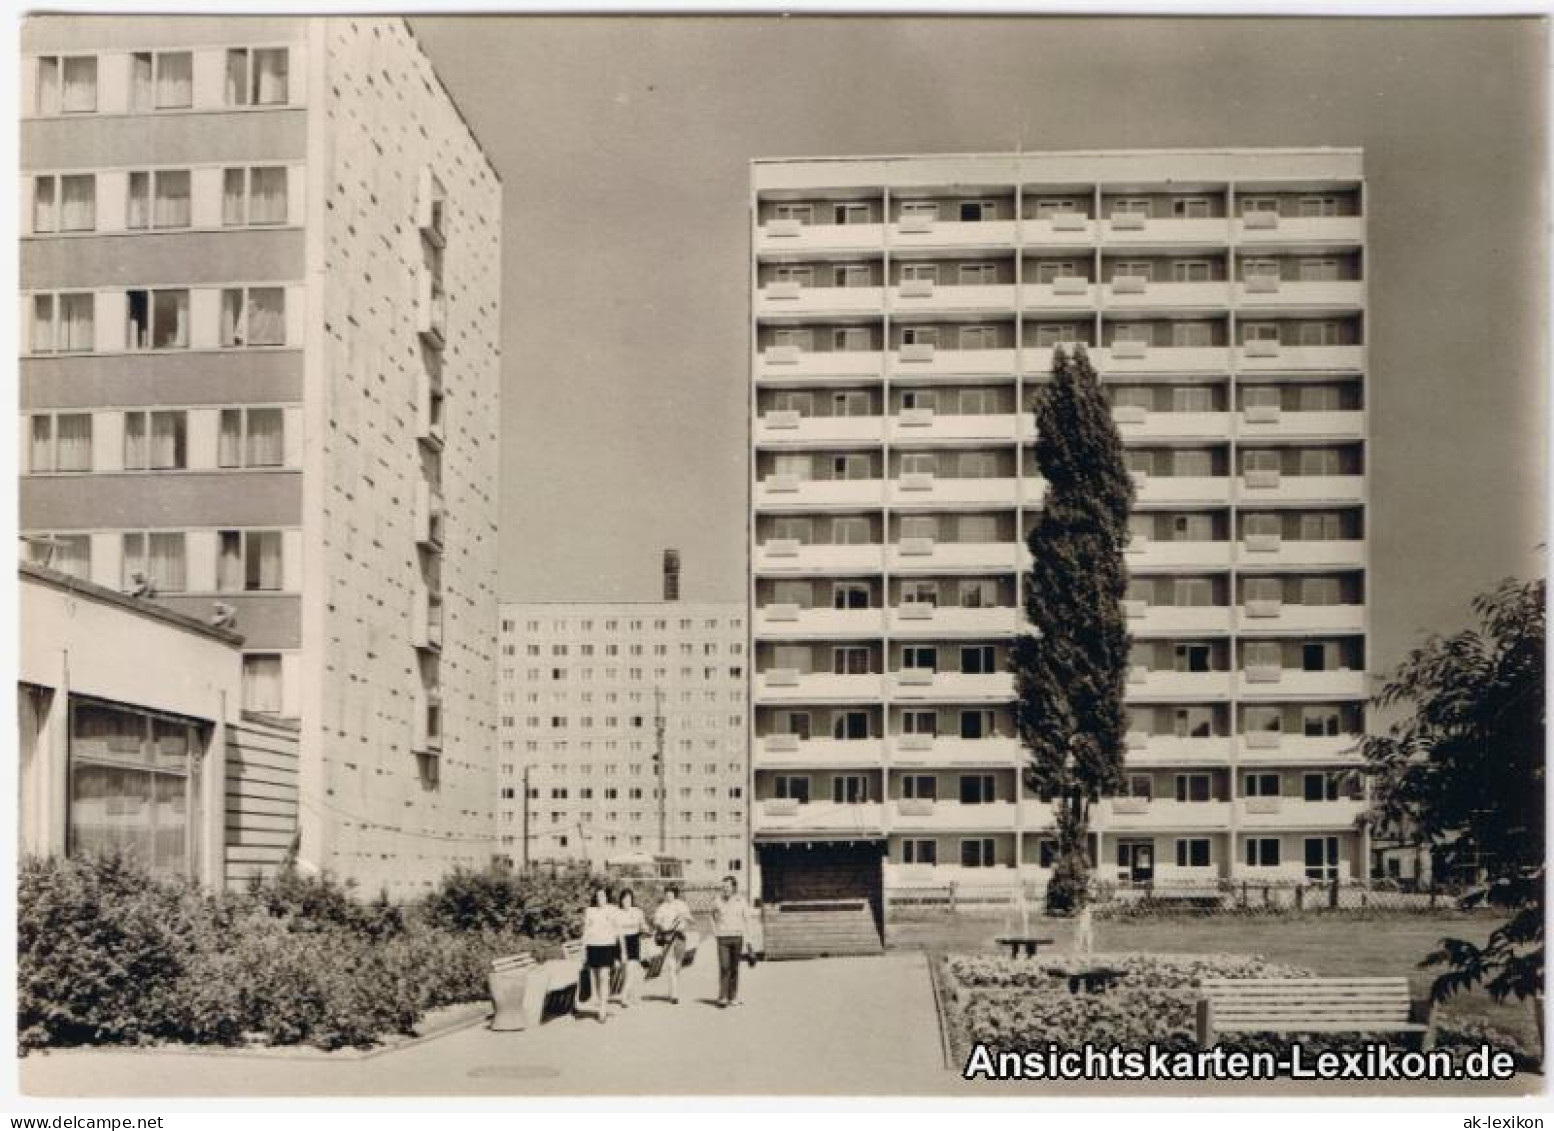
point(540, 906)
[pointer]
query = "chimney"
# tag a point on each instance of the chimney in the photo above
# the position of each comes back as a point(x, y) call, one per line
point(671, 575)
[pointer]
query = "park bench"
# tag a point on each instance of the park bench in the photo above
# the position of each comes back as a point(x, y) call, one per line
point(1028, 943)
point(552, 991)
point(509, 985)
point(1312, 1005)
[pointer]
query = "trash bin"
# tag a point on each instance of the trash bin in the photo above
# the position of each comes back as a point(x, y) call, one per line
point(508, 982)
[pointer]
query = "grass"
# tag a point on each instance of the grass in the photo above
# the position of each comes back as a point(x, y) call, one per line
point(1338, 946)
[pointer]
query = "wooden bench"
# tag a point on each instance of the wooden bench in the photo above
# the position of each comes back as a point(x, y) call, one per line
point(1312, 1005)
point(509, 986)
point(1016, 943)
point(553, 990)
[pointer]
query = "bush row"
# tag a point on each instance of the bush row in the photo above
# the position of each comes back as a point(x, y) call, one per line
point(109, 954)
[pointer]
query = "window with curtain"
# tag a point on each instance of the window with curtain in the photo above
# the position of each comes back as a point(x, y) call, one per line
point(174, 80)
point(79, 90)
point(165, 557)
point(142, 97)
point(48, 85)
point(270, 74)
point(237, 77)
point(67, 553)
point(42, 323)
point(262, 683)
point(170, 320)
point(73, 437)
point(78, 203)
point(267, 195)
point(262, 560)
point(229, 444)
point(233, 332)
point(234, 197)
point(171, 209)
point(76, 322)
point(136, 449)
point(267, 316)
point(137, 214)
point(45, 217)
point(41, 453)
point(266, 437)
point(229, 561)
point(169, 440)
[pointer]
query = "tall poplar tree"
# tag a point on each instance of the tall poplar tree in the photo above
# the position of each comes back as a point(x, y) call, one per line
point(1070, 671)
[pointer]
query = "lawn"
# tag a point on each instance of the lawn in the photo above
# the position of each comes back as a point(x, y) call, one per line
point(1337, 946)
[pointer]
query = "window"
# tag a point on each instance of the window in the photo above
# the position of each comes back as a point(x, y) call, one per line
point(1056, 334)
point(919, 787)
point(800, 213)
point(1131, 206)
point(64, 203)
point(978, 853)
point(850, 339)
point(978, 724)
point(1193, 787)
point(978, 338)
point(158, 199)
point(977, 789)
point(156, 441)
point(1321, 858)
point(919, 272)
point(67, 84)
point(975, 211)
point(1319, 270)
point(61, 442)
point(978, 593)
point(156, 559)
point(1321, 527)
point(262, 683)
point(134, 785)
point(1192, 658)
point(851, 530)
point(919, 851)
point(850, 595)
point(158, 319)
point(920, 722)
point(67, 553)
point(249, 560)
point(919, 335)
point(1193, 722)
point(1322, 786)
point(1262, 852)
point(1192, 335)
point(850, 213)
point(1192, 271)
point(851, 660)
point(977, 274)
point(1251, 204)
point(1260, 720)
point(63, 323)
point(850, 726)
point(919, 591)
point(1320, 591)
point(851, 275)
point(920, 656)
point(1132, 269)
point(1193, 852)
point(919, 463)
point(1316, 206)
point(1049, 271)
point(252, 437)
point(802, 276)
point(253, 316)
point(850, 789)
point(162, 80)
point(979, 659)
point(1261, 785)
point(257, 76)
point(1321, 334)
point(1193, 592)
point(254, 196)
point(1191, 207)
point(1260, 332)
point(1141, 786)
point(793, 339)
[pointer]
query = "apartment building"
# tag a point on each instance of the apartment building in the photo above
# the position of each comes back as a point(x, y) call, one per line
point(259, 378)
point(593, 697)
point(904, 316)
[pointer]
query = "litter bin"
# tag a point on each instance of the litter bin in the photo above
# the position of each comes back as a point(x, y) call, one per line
point(508, 982)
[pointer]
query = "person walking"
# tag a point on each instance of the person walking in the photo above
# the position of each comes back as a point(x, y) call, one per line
point(601, 943)
point(732, 922)
point(630, 922)
point(671, 922)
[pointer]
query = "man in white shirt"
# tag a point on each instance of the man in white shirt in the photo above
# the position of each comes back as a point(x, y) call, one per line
point(732, 923)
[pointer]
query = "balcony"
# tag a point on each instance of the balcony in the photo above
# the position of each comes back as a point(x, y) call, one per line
point(426, 622)
point(1172, 750)
point(914, 233)
point(930, 298)
point(1129, 357)
point(1274, 552)
point(1276, 489)
point(930, 361)
point(789, 622)
point(785, 428)
point(786, 492)
point(1177, 620)
point(1151, 685)
point(1273, 813)
point(1060, 230)
point(926, 685)
point(429, 516)
point(777, 236)
point(785, 685)
point(790, 752)
point(1280, 748)
point(1137, 425)
point(910, 751)
point(786, 556)
point(1271, 357)
point(1275, 424)
point(1131, 230)
point(790, 365)
point(1072, 295)
point(432, 312)
point(1124, 814)
point(1277, 618)
point(921, 816)
point(774, 819)
point(925, 555)
point(924, 621)
point(919, 490)
point(1273, 683)
point(1268, 231)
point(1299, 296)
point(933, 427)
point(1150, 554)
point(1182, 490)
point(1136, 294)
point(791, 301)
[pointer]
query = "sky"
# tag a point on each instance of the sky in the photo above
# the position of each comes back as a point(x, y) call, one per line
point(624, 147)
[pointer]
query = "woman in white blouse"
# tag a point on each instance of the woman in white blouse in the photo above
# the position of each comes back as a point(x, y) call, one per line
point(630, 923)
point(601, 941)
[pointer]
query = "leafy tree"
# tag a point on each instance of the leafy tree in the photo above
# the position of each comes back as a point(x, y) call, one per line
point(1070, 672)
point(1463, 768)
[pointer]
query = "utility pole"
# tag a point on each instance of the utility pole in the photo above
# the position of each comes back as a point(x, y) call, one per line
point(526, 817)
point(659, 768)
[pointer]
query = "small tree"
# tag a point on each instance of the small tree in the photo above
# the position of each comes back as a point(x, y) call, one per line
point(1464, 770)
point(1070, 672)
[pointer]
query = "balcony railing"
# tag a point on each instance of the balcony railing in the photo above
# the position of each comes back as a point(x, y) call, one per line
point(792, 236)
point(926, 621)
point(778, 301)
point(1273, 813)
point(930, 426)
point(1271, 357)
point(1275, 424)
point(1293, 683)
point(915, 815)
point(789, 751)
point(1145, 685)
point(784, 621)
point(786, 556)
point(778, 685)
point(1134, 293)
point(914, 750)
point(908, 300)
point(1166, 815)
point(1177, 620)
point(914, 232)
point(789, 364)
point(774, 818)
point(1268, 230)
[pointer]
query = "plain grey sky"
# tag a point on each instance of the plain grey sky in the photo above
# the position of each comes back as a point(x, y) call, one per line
point(624, 144)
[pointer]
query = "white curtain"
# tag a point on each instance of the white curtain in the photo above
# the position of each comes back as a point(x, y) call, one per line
point(80, 89)
point(73, 555)
point(140, 82)
point(138, 214)
point(48, 86)
point(167, 440)
point(175, 80)
point(76, 321)
point(229, 452)
point(270, 77)
point(42, 455)
point(44, 216)
point(265, 437)
point(229, 562)
point(267, 200)
point(75, 441)
point(232, 318)
point(264, 560)
point(267, 316)
point(233, 195)
point(134, 558)
point(262, 683)
point(237, 77)
point(172, 200)
point(78, 203)
point(166, 561)
point(135, 452)
point(170, 320)
point(43, 324)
